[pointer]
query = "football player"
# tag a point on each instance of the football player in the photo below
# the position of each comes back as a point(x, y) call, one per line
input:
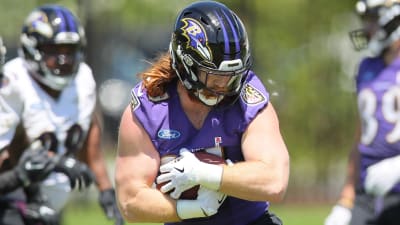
point(371, 194)
point(201, 96)
point(48, 94)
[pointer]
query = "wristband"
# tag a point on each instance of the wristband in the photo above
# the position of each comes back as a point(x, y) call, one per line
point(187, 209)
point(210, 176)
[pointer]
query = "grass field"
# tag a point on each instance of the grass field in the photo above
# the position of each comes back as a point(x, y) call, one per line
point(302, 214)
point(91, 214)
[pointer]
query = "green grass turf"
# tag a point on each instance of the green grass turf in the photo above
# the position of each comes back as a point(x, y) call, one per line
point(87, 213)
point(301, 214)
point(91, 214)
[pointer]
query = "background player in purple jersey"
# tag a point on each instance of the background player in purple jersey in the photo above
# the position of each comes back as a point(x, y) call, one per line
point(371, 194)
point(48, 94)
point(201, 96)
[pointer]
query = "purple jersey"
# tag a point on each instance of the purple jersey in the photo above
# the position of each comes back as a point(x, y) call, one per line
point(378, 94)
point(170, 130)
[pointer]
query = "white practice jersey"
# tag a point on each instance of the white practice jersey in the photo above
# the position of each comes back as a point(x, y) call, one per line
point(23, 102)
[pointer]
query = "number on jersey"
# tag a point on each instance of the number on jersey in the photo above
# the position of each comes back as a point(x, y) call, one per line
point(367, 104)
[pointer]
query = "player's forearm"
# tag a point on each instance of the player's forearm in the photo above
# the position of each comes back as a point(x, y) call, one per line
point(255, 181)
point(95, 158)
point(348, 192)
point(100, 171)
point(97, 163)
point(148, 205)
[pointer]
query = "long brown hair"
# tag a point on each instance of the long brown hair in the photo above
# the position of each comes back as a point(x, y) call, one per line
point(157, 77)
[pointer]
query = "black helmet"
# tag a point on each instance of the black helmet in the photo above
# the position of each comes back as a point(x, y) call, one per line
point(381, 22)
point(46, 29)
point(209, 42)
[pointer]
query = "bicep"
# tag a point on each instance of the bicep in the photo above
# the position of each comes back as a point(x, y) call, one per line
point(137, 160)
point(263, 140)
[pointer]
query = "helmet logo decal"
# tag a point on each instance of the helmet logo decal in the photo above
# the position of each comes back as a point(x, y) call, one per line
point(197, 37)
point(251, 95)
point(38, 22)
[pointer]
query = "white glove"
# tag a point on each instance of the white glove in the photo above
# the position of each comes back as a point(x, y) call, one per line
point(382, 176)
point(186, 172)
point(339, 215)
point(206, 204)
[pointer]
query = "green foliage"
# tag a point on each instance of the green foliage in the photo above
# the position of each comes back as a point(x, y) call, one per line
point(299, 46)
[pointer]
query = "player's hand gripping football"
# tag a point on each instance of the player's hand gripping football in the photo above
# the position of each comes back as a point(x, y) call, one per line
point(207, 204)
point(186, 171)
point(382, 176)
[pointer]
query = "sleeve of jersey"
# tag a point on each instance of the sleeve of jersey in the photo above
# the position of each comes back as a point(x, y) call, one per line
point(369, 69)
point(253, 98)
point(11, 106)
point(150, 114)
point(360, 72)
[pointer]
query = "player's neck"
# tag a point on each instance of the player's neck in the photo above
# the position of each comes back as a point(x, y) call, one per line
point(194, 109)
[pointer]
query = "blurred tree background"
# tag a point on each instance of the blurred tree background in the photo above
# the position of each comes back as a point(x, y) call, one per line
point(301, 51)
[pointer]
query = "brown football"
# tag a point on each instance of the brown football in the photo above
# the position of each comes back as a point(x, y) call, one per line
point(204, 157)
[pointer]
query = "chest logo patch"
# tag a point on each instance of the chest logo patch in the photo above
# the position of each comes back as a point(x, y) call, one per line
point(251, 95)
point(168, 134)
